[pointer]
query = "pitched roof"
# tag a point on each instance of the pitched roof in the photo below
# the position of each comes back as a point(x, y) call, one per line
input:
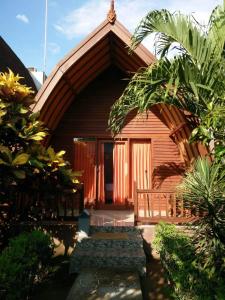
point(106, 45)
point(9, 60)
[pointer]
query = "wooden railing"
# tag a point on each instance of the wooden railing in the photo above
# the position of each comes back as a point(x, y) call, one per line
point(40, 206)
point(153, 206)
point(39, 209)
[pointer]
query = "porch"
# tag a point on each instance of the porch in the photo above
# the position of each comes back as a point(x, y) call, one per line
point(111, 217)
point(150, 207)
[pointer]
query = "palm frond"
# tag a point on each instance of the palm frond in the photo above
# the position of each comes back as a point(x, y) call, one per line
point(203, 186)
point(174, 28)
point(174, 82)
point(217, 29)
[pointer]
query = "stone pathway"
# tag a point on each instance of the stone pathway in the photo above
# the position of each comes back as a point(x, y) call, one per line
point(118, 248)
point(106, 285)
point(121, 240)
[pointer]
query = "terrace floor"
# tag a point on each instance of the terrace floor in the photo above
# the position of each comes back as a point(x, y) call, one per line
point(112, 217)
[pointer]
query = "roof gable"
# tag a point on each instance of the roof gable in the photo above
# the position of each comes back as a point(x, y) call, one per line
point(105, 46)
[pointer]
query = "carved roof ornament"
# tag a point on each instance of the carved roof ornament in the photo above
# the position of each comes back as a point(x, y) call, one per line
point(111, 16)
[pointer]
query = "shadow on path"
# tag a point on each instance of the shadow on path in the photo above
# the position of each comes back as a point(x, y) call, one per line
point(154, 285)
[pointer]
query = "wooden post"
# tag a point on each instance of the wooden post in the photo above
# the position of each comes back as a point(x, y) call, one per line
point(159, 199)
point(136, 217)
point(65, 206)
point(81, 204)
point(57, 206)
point(167, 206)
point(175, 205)
point(72, 200)
point(182, 207)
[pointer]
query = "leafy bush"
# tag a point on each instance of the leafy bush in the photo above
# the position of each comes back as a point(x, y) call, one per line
point(203, 191)
point(184, 268)
point(24, 161)
point(23, 262)
point(28, 170)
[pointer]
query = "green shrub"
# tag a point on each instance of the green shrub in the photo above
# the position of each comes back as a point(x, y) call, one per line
point(184, 269)
point(23, 262)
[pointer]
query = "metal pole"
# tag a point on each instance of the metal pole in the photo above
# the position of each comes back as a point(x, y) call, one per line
point(45, 35)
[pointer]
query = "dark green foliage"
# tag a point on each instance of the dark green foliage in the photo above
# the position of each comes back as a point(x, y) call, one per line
point(192, 80)
point(22, 263)
point(190, 278)
point(203, 192)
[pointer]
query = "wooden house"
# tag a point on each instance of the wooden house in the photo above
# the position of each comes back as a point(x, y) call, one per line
point(148, 156)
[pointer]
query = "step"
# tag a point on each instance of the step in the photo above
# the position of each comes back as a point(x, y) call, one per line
point(111, 248)
point(101, 240)
point(94, 229)
point(117, 259)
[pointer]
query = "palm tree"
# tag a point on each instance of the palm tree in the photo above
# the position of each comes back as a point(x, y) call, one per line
point(193, 79)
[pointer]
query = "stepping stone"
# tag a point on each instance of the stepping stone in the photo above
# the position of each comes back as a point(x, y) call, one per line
point(105, 285)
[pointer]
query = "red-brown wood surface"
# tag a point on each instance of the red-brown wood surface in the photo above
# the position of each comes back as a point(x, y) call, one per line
point(87, 117)
point(168, 167)
point(88, 114)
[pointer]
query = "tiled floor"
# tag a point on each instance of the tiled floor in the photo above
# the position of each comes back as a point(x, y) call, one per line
point(112, 217)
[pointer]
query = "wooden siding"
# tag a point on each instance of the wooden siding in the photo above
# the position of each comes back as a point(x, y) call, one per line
point(145, 125)
point(168, 166)
point(87, 116)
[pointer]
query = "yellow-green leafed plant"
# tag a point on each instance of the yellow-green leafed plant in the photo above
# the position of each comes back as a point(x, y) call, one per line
point(24, 162)
point(12, 90)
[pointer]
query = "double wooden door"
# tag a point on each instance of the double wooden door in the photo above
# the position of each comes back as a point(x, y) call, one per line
point(112, 170)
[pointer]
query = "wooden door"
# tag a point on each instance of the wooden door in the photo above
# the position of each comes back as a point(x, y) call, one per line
point(141, 174)
point(85, 161)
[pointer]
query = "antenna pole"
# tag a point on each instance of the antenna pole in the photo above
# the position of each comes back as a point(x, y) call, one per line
point(45, 38)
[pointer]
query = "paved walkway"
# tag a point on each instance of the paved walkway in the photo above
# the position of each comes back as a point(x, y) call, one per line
point(106, 285)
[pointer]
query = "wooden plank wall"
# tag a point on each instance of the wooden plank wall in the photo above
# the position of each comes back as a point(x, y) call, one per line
point(88, 117)
point(168, 166)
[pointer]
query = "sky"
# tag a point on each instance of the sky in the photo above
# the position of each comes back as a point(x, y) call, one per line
point(69, 21)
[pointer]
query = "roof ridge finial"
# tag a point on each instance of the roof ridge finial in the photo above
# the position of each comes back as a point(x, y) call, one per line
point(111, 16)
